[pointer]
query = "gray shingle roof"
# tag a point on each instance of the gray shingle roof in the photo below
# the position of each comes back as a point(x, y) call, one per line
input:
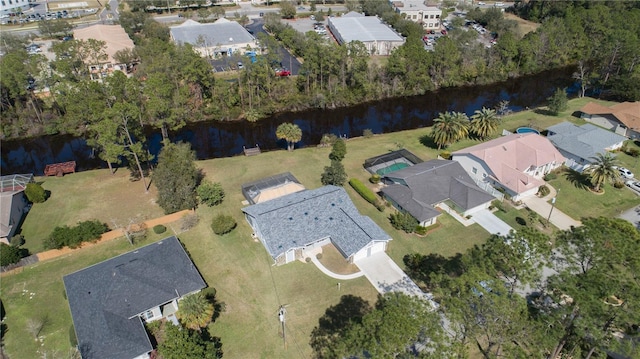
point(432, 182)
point(582, 141)
point(302, 218)
point(220, 33)
point(106, 298)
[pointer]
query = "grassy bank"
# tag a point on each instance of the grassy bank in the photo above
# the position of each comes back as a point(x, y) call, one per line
point(235, 264)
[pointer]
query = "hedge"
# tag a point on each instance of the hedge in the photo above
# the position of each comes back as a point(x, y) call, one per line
point(74, 236)
point(366, 193)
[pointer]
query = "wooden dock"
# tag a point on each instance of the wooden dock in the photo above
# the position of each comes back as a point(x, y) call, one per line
point(251, 151)
point(60, 169)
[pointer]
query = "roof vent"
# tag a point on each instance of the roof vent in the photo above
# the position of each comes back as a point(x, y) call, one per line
point(231, 39)
point(504, 148)
point(291, 218)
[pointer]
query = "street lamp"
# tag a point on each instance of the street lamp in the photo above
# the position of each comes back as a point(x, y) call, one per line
point(553, 203)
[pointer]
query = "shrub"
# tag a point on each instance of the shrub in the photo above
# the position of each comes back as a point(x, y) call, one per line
point(328, 139)
point(334, 174)
point(9, 254)
point(319, 255)
point(550, 176)
point(446, 155)
point(420, 230)
point(157, 229)
point(338, 150)
point(618, 184)
point(189, 221)
point(308, 259)
point(74, 236)
point(35, 193)
point(497, 204)
point(543, 191)
point(403, 221)
point(366, 193)
point(210, 193)
point(367, 133)
point(223, 224)
point(633, 152)
point(209, 293)
point(375, 178)
point(17, 240)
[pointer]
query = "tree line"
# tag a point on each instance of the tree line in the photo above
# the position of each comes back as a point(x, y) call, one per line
point(173, 85)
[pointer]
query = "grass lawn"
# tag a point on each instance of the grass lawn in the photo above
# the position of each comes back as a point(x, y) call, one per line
point(235, 264)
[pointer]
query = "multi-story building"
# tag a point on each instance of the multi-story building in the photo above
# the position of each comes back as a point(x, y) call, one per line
point(418, 11)
point(12, 6)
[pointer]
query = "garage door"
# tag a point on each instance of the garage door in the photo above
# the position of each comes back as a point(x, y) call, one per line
point(374, 248)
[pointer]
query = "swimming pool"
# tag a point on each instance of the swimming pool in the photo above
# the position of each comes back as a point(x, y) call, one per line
point(394, 167)
point(527, 130)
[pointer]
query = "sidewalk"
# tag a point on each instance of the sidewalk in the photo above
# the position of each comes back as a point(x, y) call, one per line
point(543, 207)
point(324, 270)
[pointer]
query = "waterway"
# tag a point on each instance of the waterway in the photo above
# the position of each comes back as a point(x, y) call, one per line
point(222, 139)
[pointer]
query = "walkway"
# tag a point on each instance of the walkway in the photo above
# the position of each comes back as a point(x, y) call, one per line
point(491, 223)
point(543, 207)
point(324, 270)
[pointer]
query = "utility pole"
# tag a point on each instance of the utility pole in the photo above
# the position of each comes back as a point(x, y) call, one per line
point(553, 204)
point(281, 315)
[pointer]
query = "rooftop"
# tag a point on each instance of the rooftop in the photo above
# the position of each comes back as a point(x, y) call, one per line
point(220, 33)
point(584, 141)
point(357, 27)
point(114, 35)
point(626, 112)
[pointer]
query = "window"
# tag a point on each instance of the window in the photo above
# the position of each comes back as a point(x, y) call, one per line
point(148, 315)
point(437, 16)
point(431, 17)
point(474, 170)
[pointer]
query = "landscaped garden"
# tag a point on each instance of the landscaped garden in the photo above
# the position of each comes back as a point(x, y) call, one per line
point(237, 265)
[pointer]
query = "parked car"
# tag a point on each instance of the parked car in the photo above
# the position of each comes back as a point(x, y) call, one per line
point(283, 72)
point(624, 172)
point(240, 65)
point(443, 32)
point(634, 185)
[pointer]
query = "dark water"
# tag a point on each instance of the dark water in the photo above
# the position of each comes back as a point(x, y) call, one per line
point(222, 139)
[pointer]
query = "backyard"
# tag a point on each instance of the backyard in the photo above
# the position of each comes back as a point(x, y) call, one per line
point(237, 265)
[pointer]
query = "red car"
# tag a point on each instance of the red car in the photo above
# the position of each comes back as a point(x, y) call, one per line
point(444, 32)
point(283, 73)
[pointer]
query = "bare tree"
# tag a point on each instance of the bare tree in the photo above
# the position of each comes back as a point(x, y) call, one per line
point(582, 75)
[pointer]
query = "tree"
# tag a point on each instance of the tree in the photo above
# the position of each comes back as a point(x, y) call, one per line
point(223, 224)
point(10, 254)
point(484, 122)
point(176, 178)
point(450, 127)
point(338, 150)
point(558, 102)
point(287, 9)
point(289, 132)
point(334, 174)
point(602, 169)
point(195, 311)
point(210, 193)
point(35, 193)
point(188, 344)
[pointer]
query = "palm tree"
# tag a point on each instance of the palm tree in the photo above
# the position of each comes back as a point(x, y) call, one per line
point(484, 122)
point(289, 132)
point(450, 127)
point(603, 169)
point(195, 311)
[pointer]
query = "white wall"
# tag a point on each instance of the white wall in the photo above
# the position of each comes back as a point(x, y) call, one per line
point(372, 248)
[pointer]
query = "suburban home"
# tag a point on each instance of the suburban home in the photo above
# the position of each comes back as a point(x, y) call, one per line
point(110, 301)
point(295, 223)
point(420, 188)
point(116, 39)
point(377, 37)
point(580, 144)
point(622, 118)
point(13, 204)
point(220, 38)
point(515, 163)
point(271, 187)
point(418, 11)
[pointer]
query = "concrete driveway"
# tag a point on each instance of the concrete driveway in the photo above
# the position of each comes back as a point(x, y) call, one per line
point(387, 276)
point(632, 215)
point(491, 223)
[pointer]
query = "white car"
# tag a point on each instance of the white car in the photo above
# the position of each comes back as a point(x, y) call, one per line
point(625, 172)
point(634, 185)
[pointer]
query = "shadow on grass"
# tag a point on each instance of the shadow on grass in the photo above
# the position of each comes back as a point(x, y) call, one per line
point(544, 112)
point(420, 267)
point(337, 320)
point(427, 141)
point(577, 179)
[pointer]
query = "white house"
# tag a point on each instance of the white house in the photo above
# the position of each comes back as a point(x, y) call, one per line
point(418, 11)
point(516, 163)
point(378, 38)
point(221, 38)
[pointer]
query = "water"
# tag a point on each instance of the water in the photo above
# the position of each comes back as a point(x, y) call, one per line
point(223, 139)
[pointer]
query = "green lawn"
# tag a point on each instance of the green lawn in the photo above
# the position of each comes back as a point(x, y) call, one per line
point(235, 264)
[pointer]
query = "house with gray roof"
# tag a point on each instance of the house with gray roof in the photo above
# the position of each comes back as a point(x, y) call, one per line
point(295, 223)
point(377, 37)
point(420, 188)
point(111, 300)
point(580, 144)
point(222, 37)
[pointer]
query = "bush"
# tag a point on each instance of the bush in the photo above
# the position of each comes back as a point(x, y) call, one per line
point(618, 184)
point(35, 193)
point(367, 133)
point(543, 191)
point(420, 230)
point(157, 229)
point(403, 221)
point(74, 236)
point(209, 293)
point(550, 176)
point(17, 240)
point(446, 155)
point(328, 139)
point(189, 221)
point(210, 193)
point(632, 151)
point(9, 254)
point(375, 178)
point(366, 193)
point(497, 204)
point(308, 259)
point(223, 224)
point(319, 255)
point(338, 150)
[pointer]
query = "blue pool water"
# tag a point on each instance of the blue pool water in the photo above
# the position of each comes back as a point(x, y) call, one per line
point(527, 130)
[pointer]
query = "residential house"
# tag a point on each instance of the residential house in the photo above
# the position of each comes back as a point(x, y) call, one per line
point(110, 301)
point(13, 204)
point(418, 11)
point(221, 38)
point(580, 144)
point(515, 163)
point(420, 188)
point(377, 37)
point(622, 118)
point(294, 224)
point(116, 39)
